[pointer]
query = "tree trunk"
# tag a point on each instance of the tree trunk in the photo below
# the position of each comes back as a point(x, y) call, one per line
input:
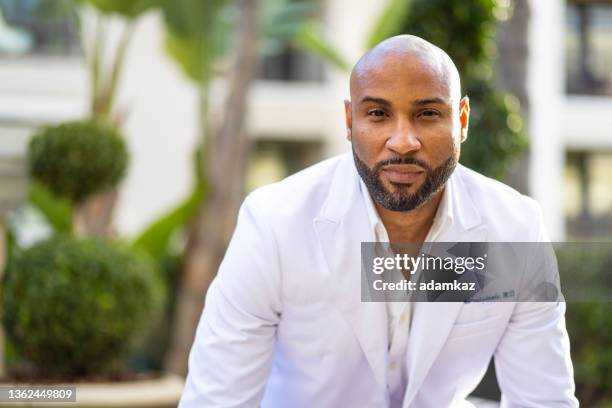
point(513, 46)
point(94, 216)
point(513, 49)
point(225, 170)
point(3, 258)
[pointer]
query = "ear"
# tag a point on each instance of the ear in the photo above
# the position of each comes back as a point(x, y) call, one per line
point(348, 118)
point(464, 116)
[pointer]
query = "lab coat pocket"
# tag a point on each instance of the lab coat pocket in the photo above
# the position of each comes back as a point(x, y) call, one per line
point(474, 329)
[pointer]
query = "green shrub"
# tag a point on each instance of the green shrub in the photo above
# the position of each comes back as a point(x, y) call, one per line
point(76, 159)
point(496, 133)
point(77, 307)
point(589, 324)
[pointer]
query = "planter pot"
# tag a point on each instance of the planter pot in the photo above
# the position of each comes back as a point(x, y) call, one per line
point(163, 392)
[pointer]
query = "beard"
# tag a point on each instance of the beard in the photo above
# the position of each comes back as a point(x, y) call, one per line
point(402, 199)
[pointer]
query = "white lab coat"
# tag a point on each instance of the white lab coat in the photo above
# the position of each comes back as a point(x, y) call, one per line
point(284, 325)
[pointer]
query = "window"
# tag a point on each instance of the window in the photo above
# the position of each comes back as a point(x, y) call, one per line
point(273, 160)
point(42, 27)
point(589, 47)
point(588, 194)
point(284, 62)
point(288, 63)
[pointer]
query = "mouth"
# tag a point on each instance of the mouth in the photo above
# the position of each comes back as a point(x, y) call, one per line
point(403, 173)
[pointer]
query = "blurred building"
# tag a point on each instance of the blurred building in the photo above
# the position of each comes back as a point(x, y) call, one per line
point(587, 118)
point(296, 116)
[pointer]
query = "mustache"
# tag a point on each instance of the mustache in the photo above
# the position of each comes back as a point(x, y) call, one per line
point(401, 160)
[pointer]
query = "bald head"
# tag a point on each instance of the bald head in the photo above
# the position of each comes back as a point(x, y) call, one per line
point(407, 51)
point(405, 121)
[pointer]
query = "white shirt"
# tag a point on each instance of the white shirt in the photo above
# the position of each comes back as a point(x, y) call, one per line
point(399, 313)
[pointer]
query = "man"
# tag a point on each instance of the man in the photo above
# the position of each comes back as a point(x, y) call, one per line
point(284, 324)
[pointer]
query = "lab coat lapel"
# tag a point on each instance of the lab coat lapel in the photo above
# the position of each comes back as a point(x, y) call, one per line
point(341, 227)
point(433, 321)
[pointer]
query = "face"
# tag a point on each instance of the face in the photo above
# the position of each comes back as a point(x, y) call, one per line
point(405, 130)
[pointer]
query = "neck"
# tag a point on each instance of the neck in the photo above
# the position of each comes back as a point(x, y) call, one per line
point(410, 226)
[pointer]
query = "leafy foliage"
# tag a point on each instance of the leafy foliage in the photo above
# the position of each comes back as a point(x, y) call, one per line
point(308, 37)
point(465, 30)
point(589, 324)
point(390, 21)
point(294, 22)
point(57, 211)
point(197, 33)
point(495, 131)
point(74, 308)
point(76, 159)
point(155, 239)
point(126, 8)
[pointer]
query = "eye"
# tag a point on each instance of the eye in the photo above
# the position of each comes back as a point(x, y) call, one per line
point(429, 113)
point(376, 113)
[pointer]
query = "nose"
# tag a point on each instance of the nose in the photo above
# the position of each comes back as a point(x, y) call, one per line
point(404, 139)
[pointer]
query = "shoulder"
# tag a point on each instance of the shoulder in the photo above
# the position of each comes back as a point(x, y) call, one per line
point(510, 215)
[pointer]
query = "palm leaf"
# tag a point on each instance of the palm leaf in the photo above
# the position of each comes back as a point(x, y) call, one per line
point(391, 19)
point(127, 8)
point(155, 239)
point(310, 39)
point(56, 211)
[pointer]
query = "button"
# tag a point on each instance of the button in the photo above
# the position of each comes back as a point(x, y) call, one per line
point(393, 365)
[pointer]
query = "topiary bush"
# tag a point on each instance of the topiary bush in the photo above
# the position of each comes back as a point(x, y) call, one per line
point(77, 159)
point(74, 308)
